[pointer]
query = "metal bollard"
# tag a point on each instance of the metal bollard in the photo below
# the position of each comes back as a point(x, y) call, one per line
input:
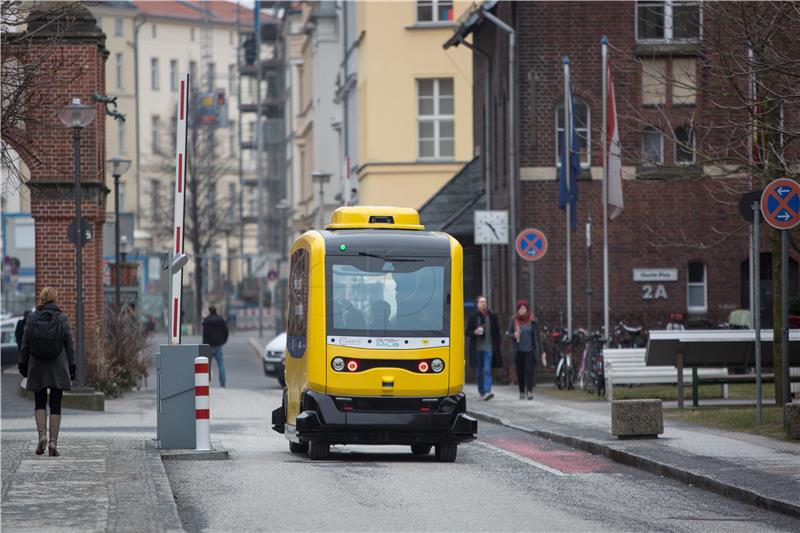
point(202, 404)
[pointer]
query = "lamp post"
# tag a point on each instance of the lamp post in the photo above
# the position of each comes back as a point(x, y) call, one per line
point(283, 206)
point(322, 178)
point(77, 116)
point(118, 168)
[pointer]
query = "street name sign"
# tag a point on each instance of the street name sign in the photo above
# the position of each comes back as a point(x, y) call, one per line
point(780, 203)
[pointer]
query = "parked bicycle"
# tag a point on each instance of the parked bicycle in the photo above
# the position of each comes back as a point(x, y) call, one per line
point(562, 351)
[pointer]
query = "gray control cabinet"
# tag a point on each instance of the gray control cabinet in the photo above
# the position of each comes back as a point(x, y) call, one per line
point(175, 382)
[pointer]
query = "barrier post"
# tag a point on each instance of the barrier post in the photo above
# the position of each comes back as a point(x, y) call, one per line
point(202, 404)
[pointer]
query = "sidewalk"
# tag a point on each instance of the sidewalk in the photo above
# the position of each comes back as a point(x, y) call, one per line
point(749, 468)
point(108, 478)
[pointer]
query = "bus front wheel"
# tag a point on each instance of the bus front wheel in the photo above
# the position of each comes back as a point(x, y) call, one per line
point(318, 451)
point(446, 452)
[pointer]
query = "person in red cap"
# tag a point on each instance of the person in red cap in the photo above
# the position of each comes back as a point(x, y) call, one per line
point(524, 332)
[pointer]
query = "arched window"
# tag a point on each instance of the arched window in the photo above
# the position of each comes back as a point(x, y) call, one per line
point(583, 124)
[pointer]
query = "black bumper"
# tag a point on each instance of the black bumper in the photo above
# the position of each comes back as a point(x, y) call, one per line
point(385, 420)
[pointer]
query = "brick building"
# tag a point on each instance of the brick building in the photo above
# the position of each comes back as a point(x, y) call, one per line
point(63, 54)
point(681, 211)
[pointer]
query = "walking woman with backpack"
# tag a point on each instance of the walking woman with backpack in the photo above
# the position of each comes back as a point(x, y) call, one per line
point(48, 361)
point(524, 333)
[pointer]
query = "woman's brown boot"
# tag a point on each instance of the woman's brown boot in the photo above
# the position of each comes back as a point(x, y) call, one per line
point(41, 426)
point(52, 446)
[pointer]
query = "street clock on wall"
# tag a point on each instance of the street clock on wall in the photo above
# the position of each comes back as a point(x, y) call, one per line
point(491, 227)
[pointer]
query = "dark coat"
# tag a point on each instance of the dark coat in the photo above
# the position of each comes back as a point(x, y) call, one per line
point(474, 321)
point(537, 338)
point(215, 331)
point(49, 374)
point(19, 331)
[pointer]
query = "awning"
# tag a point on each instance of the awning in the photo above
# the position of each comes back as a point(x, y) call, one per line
point(451, 208)
point(715, 347)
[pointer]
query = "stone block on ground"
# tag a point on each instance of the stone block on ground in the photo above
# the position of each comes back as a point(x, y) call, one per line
point(636, 418)
point(793, 420)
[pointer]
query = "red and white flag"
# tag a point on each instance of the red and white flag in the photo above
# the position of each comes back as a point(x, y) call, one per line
point(614, 153)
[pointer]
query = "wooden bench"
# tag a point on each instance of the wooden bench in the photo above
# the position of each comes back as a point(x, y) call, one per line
point(626, 366)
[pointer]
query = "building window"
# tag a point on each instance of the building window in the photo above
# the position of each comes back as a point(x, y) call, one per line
point(173, 75)
point(210, 67)
point(232, 197)
point(251, 131)
point(684, 146)
point(232, 138)
point(192, 73)
point(118, 68)
point(155, 201)
point(231, 79)
point(435, 126)
point(583, 125)
point(434, 10)
point(155, 126)
point(697, 288)
point(652, 147)
point(153, 31)
point(654, 82)
point(154, 73)
point(684, 80)
point(669, 20)
point(119, 28)
point(121, 137)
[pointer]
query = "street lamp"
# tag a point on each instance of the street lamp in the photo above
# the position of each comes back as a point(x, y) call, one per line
point(283, 206)
point(322, 178)
point(77, 116)
point(118, 168)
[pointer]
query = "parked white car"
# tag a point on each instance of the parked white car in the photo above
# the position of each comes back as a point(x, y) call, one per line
point(274, 358)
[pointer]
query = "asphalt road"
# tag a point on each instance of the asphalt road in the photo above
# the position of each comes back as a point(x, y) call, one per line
point(506, 480)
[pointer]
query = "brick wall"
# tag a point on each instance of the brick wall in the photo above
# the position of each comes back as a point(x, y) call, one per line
point(72, 56)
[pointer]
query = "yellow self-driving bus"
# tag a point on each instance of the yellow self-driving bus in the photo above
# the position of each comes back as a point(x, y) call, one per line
point(375, 346)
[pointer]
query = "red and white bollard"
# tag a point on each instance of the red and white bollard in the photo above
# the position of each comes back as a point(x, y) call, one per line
point(202, 404)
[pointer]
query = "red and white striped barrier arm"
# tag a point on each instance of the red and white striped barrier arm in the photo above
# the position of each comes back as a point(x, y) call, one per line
point(202, 404)
point(180, 202)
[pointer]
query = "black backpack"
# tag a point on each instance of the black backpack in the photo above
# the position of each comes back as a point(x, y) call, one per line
point(45, 338)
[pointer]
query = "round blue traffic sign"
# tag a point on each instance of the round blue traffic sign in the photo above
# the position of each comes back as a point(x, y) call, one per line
point(780, 203)
point(531, 244)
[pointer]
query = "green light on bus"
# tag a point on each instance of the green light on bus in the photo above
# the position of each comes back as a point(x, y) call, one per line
point(342, 247)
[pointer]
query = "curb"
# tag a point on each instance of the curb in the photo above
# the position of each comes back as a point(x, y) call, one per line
point(255, 346)
point(214, 454)
point(654, 467)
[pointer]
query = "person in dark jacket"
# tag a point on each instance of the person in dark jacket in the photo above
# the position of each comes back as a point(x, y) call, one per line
point(484, 346)
point(55, 374)
point(523, 329)
point(20, 329)
point(215, 334)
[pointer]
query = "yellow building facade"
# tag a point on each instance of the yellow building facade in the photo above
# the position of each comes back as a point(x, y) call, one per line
point(414, 100)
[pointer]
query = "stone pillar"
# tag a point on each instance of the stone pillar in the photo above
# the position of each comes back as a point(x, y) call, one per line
point(69, 49)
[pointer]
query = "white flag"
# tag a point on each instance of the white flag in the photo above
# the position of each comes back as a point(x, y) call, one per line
point(614, 153)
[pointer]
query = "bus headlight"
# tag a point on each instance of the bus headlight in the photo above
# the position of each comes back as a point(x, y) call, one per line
point(338, 364)
point(437, 365)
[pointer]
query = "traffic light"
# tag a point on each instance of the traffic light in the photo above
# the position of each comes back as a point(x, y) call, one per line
point(250, 50)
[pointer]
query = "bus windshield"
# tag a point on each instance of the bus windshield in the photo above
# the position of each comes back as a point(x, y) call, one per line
point(388, 297)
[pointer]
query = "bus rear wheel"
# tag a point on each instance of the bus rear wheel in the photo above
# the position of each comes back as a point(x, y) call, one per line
point(298, 447)
point(318, 451)
point(446, 452)
point(421, 449)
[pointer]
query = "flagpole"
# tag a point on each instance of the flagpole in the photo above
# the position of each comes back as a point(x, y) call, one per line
point(604, 140)
point(566, 163)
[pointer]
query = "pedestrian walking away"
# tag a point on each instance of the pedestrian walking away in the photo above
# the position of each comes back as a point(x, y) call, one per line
point(47, 360)
point(215, 334)
point(484, 346)
point(523, 329)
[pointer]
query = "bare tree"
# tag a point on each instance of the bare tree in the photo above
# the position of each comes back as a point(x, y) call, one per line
point(207, 216)
point(742, 121)
point(32, 64)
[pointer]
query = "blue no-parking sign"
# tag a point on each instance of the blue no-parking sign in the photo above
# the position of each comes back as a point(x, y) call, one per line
point(780, 203)
point(531, 244)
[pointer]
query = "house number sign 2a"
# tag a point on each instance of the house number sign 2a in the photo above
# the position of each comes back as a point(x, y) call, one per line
point(654, 292)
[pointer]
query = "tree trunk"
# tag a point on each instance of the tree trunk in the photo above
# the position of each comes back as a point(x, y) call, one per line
point(777, 318)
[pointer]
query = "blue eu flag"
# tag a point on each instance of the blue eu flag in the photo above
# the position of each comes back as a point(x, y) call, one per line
point(569, 195)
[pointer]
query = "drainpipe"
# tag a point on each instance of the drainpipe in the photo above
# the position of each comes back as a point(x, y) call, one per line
point(485, 151)
point(511, 142)
point(137, 23)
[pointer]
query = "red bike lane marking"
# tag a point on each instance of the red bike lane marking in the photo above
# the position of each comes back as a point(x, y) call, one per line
point(566, 461)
